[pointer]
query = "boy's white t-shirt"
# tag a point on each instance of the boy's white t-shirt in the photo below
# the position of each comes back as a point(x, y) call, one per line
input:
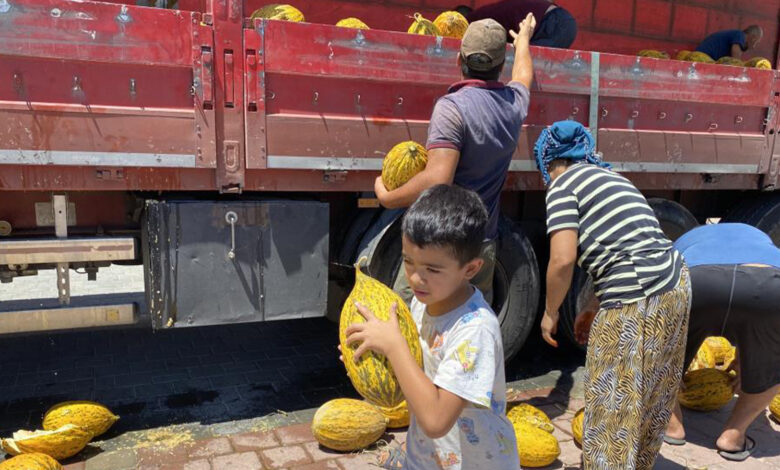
point(463, 354)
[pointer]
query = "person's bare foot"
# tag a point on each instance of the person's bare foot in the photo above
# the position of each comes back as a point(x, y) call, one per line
point(675, 429)
point(731, 440)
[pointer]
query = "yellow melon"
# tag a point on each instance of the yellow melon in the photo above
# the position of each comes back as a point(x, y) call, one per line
point(697, 56)
point(706, 390)
point(577, 425)
point(759, 63)
point(61, 443)
point(536, 448)
point(451, 24)
point(90, 416)
point(402, 162)
point(715, 352)
point(652, 53)
point(728, 60)
point(397, 417)
point(32, 461)
point(352, 23)
point(682, 55)
point(372, 376)
point(422, 26)
point(774, 407)
point(531, 415)
point(346, 425)
point(278, 11)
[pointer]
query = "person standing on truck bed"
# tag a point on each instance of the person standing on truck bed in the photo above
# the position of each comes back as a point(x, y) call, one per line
point(596, 218)
point(731, 43)
point(557, 27)
point(473, 132)
point(735, 274)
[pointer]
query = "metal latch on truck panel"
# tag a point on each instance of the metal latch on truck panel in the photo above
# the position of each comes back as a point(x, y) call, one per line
point(230, 97)
point(231, 218)
point(206, 77)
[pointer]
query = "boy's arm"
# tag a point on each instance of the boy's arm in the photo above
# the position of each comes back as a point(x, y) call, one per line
point(435, 409)
point(440, 169)
point(523, 69)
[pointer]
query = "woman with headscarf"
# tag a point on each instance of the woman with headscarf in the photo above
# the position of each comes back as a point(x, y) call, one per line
point(599, 220)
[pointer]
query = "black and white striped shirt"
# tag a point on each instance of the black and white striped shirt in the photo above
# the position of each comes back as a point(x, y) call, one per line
point(621, 244)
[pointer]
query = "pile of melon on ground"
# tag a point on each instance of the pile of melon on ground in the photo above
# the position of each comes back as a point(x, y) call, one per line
point(696, 56)
point(67, 428)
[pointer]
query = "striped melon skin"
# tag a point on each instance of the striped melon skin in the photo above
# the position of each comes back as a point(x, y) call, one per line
point(423, 27)
point(402, 162)
point(727, 60)
point(577, 425)
point(716, 352)
point(451, 24)
point(697, 56)
point(706, 390)
point(352, 23)
point(759, 63)
point(682, 55)
point(652, 53)
point(62, 443)
point(90, 416)
point(372, 376)
point(530, 415)
point(31, 462)
point(774, 408)
point(536, 448)
point(397, 417)
point(277, 11)
point(346, 425)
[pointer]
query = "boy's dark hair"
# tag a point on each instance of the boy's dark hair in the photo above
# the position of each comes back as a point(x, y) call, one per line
point(448, 216)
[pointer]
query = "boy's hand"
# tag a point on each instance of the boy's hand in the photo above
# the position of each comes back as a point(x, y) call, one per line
point(376, 335)
point(550, 327)
point(525, 30)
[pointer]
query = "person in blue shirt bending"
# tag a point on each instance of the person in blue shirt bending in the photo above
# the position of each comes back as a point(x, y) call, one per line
point(735, 274)
point(731, 43)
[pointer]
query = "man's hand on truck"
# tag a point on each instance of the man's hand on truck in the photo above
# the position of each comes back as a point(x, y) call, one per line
point(523, 70)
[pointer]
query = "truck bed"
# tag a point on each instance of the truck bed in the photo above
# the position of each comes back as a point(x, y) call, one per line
point(115, 97)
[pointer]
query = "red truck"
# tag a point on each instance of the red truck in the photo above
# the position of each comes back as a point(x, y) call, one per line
point(234, 159)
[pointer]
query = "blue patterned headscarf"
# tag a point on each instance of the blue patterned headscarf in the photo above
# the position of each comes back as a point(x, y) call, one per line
point(565, 140)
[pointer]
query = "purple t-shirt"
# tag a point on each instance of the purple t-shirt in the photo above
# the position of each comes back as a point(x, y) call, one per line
point(509, 13)
point(482, 120)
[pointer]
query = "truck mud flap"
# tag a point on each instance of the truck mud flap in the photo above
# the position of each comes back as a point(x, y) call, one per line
point(212, 263)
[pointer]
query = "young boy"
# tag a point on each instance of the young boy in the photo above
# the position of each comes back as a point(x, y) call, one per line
point(457, 402)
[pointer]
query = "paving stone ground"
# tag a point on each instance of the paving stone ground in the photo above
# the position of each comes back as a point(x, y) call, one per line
point(242, 396)
point(258, 445)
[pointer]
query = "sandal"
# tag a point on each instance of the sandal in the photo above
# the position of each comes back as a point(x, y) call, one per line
point(673, 441)
point(392, 458)
point(739, 455)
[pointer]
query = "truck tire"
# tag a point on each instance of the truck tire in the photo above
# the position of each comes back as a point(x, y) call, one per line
point(762, 212)
point(516, 284)
point(675, 220)
point(342, 276)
